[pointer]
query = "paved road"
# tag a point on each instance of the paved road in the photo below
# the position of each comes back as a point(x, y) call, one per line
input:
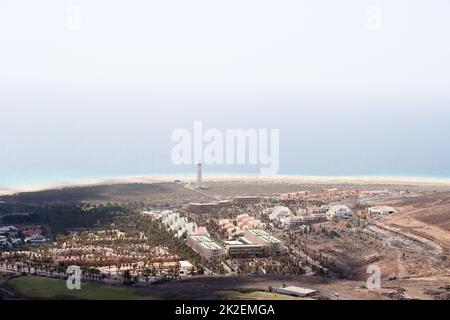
point(197, 190)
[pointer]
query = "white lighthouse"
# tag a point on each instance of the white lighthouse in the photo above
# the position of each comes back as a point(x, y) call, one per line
point(199, 176)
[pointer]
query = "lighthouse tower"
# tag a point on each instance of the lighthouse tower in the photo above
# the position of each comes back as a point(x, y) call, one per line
point(199, 176)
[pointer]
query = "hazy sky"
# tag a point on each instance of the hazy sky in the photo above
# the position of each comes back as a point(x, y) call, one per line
point(352, 91)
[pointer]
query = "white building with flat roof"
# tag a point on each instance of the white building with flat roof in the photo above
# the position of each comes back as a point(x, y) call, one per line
point(205, 246)
point(243, 248)
point(339, 212)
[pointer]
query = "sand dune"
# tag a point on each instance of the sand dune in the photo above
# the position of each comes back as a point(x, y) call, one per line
point(381, 180)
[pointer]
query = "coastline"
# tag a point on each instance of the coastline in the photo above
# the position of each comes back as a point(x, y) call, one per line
point(363, 180)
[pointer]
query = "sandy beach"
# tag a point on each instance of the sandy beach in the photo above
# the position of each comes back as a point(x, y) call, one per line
point(372, 180)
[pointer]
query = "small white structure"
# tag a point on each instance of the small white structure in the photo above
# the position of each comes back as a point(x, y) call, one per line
point(382, 210)
point(185, 267)
point(339, 212)
point(9, 231)
point(270, 243)
point(279, 213)
point(296, 291)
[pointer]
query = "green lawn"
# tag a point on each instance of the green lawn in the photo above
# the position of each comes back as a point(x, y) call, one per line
point(256, 295)
point(46, 288)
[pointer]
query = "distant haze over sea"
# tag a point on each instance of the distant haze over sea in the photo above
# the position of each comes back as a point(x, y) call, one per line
point(103, 100)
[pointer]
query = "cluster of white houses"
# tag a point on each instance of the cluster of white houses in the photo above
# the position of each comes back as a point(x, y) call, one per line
point(381, 210)
point(339, 212)
point(255, 242)
point(284, 218)
point(180, 225)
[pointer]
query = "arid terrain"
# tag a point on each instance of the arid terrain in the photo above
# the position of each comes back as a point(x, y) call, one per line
point(411, 247)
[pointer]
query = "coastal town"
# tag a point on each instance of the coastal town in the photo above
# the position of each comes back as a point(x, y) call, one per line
point(290, 233)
